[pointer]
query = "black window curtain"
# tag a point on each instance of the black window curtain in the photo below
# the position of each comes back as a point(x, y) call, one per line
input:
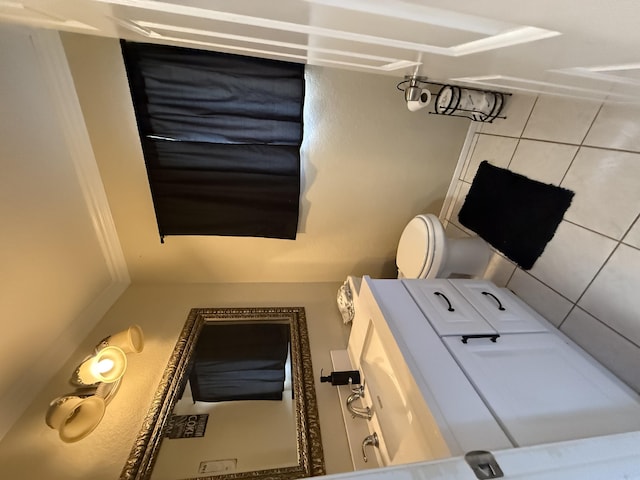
point(240, 362)
point(221, 138)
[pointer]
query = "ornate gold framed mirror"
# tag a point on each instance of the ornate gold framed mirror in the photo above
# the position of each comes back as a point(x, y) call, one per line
point(241, 366)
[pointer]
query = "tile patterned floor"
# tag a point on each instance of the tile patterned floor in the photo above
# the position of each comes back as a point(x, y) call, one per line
point(587, 281)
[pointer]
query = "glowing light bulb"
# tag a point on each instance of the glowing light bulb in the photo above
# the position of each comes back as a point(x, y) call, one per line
point(105, 365)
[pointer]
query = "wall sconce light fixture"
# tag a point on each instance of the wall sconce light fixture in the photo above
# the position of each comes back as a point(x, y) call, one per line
point(97, 379)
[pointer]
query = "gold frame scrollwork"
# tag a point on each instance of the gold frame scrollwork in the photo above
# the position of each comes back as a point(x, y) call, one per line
point(140, 463)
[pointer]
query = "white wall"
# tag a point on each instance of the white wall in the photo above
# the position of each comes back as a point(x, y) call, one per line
point(58, 276)
point(369, 166)
point(32, 450)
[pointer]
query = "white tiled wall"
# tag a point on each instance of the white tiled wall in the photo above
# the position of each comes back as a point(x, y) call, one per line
point(587, 281)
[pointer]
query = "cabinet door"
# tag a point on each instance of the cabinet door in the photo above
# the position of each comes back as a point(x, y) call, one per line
point(501, 308)
point(446, 309)
point(543, 389)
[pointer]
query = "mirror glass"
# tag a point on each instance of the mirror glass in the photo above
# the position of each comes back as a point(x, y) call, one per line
point(237, 400)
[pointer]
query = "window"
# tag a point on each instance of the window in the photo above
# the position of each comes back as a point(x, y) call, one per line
point(221, 138)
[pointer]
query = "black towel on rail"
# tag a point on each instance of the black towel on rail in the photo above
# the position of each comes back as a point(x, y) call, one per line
point(516, 215)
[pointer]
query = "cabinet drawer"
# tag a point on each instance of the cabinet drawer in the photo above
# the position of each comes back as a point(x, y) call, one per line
point(500, 307)
point(448, 312)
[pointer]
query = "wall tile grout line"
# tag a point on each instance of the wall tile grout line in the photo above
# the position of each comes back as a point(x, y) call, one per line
point(511, 276)
point(597, 232)
point(619, 242)
point(575, 155)
point(609, 149)
point(467, 161)
point(533, 139)
point(595, 147)
point(573, 307)
point(591, 124)
point(627, 232)
point(608, 326)
point(526, 123)
point(543, 283)
point(555, 142)
point(592, 280)
point(514, 152)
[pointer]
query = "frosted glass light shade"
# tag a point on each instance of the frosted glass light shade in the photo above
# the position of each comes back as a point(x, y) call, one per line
point(75, 417)
point(130, 340)
point(106, 366)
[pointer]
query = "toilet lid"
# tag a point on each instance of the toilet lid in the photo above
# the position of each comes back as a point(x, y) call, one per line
point(417, 256)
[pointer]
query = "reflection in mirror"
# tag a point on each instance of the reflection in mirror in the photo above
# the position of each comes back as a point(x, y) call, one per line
point(237, 401)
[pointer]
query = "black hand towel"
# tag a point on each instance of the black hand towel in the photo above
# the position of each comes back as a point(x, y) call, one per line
point(516, 215)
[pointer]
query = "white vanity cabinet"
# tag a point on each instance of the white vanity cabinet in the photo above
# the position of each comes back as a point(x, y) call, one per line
point(490, 372)
point(440, 407)
point(539, 385)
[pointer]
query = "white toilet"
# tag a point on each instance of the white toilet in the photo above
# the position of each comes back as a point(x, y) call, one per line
point(424, 251)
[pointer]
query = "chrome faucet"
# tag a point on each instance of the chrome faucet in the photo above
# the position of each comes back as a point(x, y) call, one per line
point(370, 440)
point(359, 389)
point(358, 411)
